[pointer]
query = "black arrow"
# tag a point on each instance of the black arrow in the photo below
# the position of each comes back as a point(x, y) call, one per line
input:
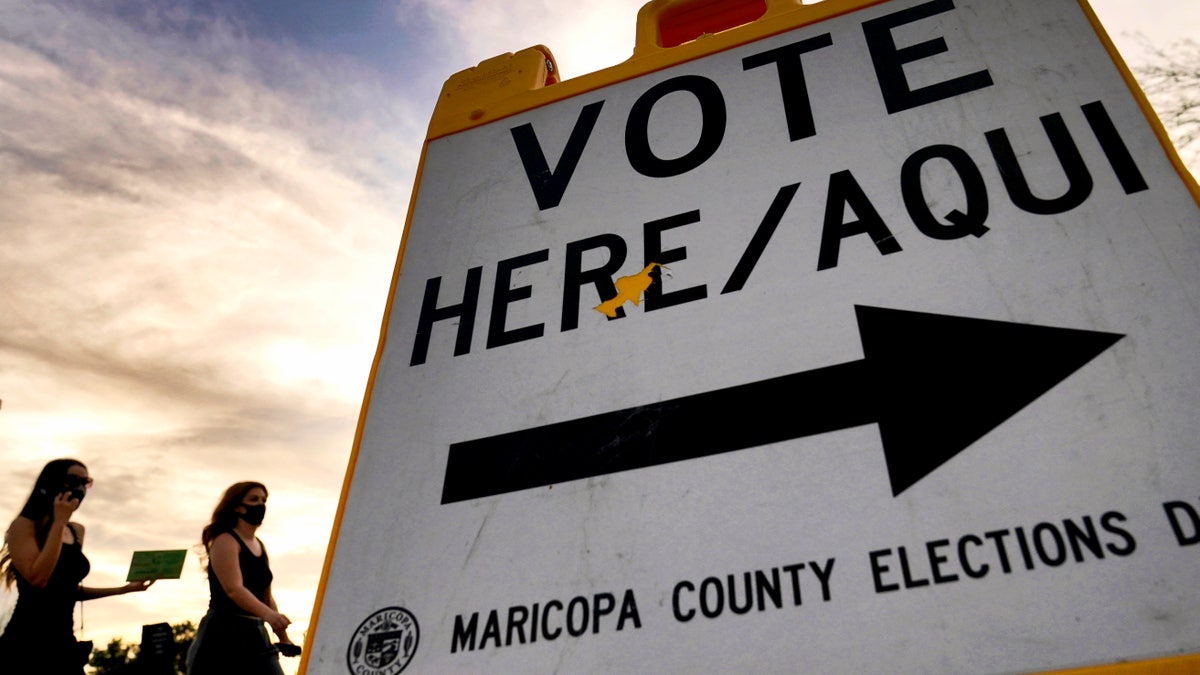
point(934, 384)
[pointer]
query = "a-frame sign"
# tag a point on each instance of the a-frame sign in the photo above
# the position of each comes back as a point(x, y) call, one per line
point(854, 337)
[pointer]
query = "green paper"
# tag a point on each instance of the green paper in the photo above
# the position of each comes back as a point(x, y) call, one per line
point(148, 565)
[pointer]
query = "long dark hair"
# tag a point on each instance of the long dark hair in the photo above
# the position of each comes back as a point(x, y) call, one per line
point(225, 517)
point(38, 508)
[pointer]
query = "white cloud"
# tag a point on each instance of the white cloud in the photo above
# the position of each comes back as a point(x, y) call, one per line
point(583, 36)
point(199, 234)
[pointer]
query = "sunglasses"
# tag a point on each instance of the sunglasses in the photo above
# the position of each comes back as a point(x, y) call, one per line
point(74, 482)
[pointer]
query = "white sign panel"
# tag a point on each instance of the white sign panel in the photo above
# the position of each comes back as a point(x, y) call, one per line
point(870, 346)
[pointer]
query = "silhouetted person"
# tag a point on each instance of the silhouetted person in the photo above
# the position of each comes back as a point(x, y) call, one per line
point(43, 556)
point(232, 637)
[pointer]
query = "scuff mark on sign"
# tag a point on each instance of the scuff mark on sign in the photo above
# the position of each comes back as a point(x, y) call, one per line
point(628, 288)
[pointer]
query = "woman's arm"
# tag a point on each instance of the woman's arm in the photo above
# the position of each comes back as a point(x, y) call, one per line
point(34, 564)
point(281, 634)
point(89, 593)
point(223, 560)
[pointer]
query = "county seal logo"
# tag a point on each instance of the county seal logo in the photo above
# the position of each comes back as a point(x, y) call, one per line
point(384, 643)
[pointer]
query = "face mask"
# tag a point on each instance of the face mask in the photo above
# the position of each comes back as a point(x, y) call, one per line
point(254, 514)
point(76, 485)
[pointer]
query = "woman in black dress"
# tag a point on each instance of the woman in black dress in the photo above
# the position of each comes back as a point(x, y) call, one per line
point(232, 637)
point(43, 556)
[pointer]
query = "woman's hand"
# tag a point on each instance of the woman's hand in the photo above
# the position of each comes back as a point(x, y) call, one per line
point(278, 623)
point(137, 586)
point(64, 506)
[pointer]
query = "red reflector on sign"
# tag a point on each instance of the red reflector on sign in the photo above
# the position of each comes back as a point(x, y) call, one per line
point(684, 23)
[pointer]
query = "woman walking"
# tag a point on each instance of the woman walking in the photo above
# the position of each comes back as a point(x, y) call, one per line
point(232, 637)
point(43, 556)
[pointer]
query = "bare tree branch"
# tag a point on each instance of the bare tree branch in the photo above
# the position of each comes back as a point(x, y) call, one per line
point(1171, 79)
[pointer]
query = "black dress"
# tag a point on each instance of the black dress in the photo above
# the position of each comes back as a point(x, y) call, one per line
point(40, 637)
point(228, 639)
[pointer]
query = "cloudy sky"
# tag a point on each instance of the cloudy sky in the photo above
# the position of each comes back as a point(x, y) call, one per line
point(200, 206)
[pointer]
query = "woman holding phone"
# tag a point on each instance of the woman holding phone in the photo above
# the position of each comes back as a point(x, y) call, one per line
point(43, 556)
point(232, 638)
